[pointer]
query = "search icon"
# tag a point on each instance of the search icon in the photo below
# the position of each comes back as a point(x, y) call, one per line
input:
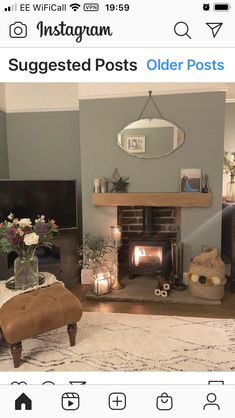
point(182, 29)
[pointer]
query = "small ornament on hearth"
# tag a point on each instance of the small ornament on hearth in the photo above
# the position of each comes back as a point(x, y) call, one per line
point(120, 184)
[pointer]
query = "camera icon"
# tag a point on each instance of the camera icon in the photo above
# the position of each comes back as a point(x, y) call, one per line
point(18, 30)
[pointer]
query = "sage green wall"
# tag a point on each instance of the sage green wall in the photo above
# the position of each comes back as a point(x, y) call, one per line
point(201, 115)
point(229, 139)
point(4, 168)
point(45, 145)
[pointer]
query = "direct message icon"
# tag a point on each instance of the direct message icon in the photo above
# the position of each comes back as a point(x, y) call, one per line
point(70, 401)
point(164, 402)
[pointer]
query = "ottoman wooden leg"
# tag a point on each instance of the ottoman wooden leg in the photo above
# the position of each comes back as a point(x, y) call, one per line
point(72, 331)
point(16, 350)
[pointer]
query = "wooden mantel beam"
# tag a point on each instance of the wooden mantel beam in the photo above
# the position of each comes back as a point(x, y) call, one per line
point(183, 200)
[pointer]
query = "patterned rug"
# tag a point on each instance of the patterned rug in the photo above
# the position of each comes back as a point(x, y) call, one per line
point(127, 342)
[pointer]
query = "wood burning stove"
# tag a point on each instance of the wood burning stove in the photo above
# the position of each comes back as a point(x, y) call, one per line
point(149, 256)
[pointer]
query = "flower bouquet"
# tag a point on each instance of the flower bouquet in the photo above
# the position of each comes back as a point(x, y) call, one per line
point(23, 237)
point(229, 162)
point(229, 167)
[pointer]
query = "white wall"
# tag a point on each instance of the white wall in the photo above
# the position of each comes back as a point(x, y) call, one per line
point(112, 90)
point(2, 97)
point(20, 97)
point(34, 97)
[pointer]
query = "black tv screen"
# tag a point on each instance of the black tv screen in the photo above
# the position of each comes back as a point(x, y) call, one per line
point(56, 199)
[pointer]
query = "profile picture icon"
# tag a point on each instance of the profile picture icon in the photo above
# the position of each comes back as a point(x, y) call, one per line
point(18, 30)
point(211, 401)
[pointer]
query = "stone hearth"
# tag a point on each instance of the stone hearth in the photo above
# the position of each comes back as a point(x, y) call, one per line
point(142, 290)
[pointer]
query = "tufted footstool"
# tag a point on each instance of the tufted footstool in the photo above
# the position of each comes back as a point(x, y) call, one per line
point(36, 312)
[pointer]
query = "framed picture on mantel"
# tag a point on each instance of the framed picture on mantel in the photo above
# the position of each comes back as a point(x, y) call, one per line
point(190, 180)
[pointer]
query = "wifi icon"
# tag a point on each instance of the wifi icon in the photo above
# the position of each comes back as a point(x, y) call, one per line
point(75, 6)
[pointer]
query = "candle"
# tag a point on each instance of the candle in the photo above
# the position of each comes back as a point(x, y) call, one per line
point(104, 185)
point(96, 185)
point(116, 233)
point(101, 284)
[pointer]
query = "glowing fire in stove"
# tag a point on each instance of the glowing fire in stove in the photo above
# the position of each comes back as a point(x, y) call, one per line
point(147, 254)
point(138, 252)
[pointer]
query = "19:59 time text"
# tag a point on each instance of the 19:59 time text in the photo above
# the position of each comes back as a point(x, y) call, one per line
point(120, 7)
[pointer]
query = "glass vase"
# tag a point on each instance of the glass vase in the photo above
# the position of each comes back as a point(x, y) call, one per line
point(26, 272)
point(230, 192)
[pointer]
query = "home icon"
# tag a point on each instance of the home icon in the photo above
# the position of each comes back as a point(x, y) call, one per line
point(23, 402)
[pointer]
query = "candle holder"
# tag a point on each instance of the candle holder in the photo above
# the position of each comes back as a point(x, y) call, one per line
point(101, 281)
point(177, 266)
point(116, 235)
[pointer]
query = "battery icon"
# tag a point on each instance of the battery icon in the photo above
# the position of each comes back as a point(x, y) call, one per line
point(222, 7)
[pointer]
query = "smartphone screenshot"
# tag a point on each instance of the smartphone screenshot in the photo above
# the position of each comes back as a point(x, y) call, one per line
point(117, 208)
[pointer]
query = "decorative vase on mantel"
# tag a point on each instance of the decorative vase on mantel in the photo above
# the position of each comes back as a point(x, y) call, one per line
point(26, 272)
point(230, 192)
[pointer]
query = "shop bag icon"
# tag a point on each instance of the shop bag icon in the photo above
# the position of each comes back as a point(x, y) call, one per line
point(164, 402)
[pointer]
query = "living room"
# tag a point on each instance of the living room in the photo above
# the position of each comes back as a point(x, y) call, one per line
point(67, 132)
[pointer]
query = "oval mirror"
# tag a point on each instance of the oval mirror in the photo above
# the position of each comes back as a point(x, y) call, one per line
point(150, 138)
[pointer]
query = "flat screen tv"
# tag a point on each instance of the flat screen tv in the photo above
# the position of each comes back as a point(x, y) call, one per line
point(56, 199)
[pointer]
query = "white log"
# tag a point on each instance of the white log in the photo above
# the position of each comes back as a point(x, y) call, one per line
point(164, 293)
point(166, 286)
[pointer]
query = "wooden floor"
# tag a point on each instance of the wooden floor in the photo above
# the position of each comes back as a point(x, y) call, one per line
point(226, 310)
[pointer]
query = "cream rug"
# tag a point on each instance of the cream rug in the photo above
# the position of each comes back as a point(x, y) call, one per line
point(127, 342)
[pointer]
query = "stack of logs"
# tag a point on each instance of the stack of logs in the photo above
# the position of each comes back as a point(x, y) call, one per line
point(163, 287)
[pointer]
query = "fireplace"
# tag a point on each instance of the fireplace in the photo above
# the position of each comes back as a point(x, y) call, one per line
point(148, 233)
point(149, 256)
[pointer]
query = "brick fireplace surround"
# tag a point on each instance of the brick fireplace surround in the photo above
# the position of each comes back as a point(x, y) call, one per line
point(165, 225)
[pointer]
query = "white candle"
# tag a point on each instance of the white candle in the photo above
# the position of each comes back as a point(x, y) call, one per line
point(101, 284)
point(117, 234)
point(96, 185)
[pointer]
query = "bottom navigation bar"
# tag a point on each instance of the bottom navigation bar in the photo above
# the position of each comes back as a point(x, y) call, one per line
point(129, 400)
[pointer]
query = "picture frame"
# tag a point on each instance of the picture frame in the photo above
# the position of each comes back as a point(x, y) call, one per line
point(135, 144)
point(190, 180)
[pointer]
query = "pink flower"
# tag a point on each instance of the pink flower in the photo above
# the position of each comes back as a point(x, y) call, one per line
point(1, 224)
point(16, 240)
point(53, 224)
